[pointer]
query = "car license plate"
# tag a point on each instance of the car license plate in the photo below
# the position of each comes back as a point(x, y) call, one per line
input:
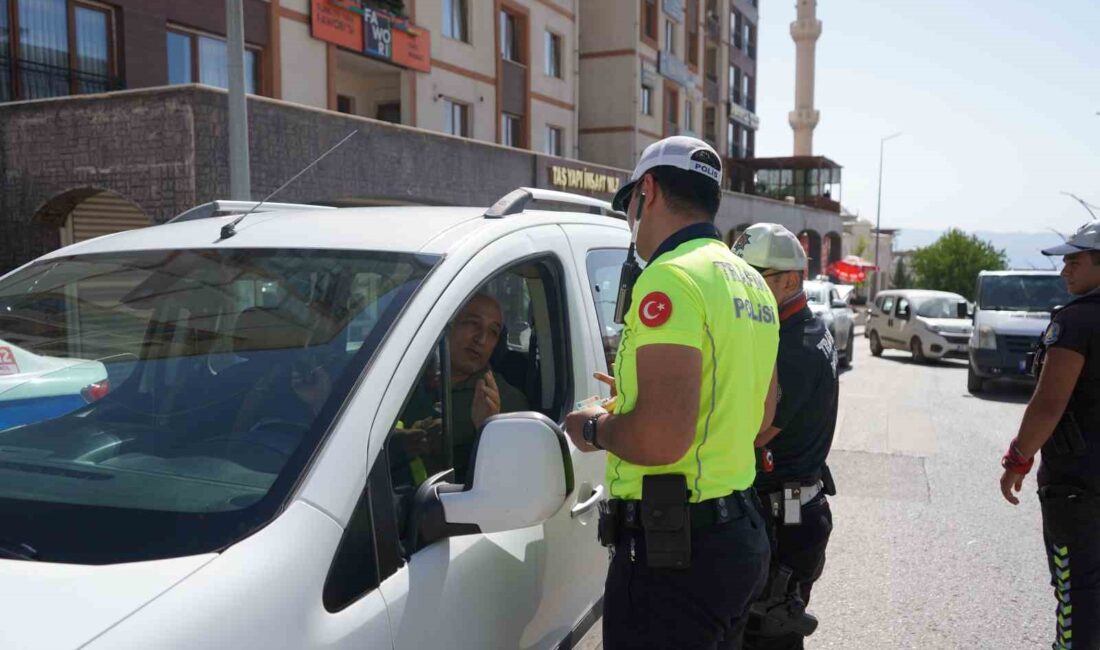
point(1023, 365)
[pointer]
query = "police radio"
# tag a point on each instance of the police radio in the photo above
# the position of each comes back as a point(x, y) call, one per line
point(630, 272)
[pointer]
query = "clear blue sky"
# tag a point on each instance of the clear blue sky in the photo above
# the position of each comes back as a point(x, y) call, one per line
point(997, 101)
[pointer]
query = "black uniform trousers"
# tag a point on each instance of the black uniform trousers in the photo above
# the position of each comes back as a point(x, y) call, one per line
point(1071, 531)
point(800, 548)
point(704, 607)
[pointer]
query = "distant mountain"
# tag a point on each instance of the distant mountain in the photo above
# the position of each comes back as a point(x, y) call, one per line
point(1022, 248)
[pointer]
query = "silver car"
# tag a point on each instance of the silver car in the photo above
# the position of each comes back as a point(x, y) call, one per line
point(826, 304)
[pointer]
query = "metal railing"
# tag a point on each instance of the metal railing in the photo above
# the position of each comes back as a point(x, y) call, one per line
point(37, 80)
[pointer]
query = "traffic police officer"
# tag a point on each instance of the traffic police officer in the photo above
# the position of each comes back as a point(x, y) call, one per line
point(792, 476)
point(695, 373)
point(1063, 419)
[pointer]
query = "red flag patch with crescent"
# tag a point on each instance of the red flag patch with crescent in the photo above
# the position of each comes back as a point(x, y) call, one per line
point(655, 309)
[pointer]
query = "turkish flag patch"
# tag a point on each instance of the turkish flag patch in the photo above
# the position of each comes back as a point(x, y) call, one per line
point(655, 309)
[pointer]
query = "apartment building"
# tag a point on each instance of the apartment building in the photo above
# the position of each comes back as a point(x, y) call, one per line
point(654, 68)
point(500, 71)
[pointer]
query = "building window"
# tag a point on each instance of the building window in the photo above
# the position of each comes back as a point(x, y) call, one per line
point(647, 100)
point(689, 116)
point(511, 130)
point(672, 112)
point(553, 55)
point(456, 118)
point(736, 29)
point(670, 37)
point(693, 32)
point(746, 92)
point(710, 125)
point(509, 38)
point(554, 141)
point(731, 141)
point(455, 20)
point(649, 20)
point(750, 45)
point(199, 57)
point(736, 78)
point(63, 47)
point(345, 104)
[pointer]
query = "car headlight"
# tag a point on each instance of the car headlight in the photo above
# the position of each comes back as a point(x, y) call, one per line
point(984, 338)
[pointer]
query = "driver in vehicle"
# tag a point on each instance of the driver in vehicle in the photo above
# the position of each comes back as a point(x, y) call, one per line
point(477, 393)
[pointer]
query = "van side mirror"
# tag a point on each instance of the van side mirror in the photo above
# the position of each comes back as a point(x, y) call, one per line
point(963, 310)
point(521, 475)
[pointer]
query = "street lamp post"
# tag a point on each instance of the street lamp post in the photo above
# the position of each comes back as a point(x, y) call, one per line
point(240, 182)
point(878, 210)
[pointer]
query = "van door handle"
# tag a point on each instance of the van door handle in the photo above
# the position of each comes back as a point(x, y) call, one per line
point(589, 503)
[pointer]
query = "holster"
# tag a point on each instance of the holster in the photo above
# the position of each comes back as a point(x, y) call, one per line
point(608, 529)
point(1067, 438)
point(666, 520)
point(827, 484)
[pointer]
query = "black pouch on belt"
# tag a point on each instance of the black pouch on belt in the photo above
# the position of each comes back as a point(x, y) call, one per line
point(827, 484)
point(608, 531)
point(666, 519)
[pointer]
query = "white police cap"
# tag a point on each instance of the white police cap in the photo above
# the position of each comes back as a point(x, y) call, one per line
point(680, 151)
point(771, 246)
point(1087, 238)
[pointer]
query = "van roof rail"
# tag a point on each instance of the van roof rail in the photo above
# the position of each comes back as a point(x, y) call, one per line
point(223, 207)
point(516, 201)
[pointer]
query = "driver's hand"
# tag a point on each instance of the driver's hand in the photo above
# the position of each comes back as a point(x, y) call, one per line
point(486, 399)
point(424, 437)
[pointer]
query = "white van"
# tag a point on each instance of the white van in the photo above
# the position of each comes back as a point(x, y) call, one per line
point(277, 462)
point(1012, 311)
point(929, 324)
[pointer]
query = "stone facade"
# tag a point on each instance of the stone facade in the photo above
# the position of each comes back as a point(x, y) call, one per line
point(164, 149)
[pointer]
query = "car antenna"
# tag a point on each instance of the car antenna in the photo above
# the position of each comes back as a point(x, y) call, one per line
point(230, 229)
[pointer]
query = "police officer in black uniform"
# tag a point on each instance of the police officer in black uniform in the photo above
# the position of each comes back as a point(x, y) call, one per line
point(1063, 419)
point(792, 478)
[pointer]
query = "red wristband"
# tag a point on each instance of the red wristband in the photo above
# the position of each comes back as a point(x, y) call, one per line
point(1014, 460)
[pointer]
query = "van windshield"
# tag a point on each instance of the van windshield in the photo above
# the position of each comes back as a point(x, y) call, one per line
point(1022, 293)
point(165, 403)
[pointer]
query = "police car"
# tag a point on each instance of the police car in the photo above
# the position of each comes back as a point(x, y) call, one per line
point(258, 474)
point(34, 387)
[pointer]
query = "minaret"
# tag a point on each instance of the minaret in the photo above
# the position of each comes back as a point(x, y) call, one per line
point(805, 32)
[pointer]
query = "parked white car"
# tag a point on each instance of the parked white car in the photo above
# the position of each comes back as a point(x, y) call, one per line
point(277, 462)
point(826, 304)
point(35, 387)
point(929, 324)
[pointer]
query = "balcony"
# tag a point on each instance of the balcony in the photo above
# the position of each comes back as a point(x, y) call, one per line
point(41, 80)
point(813, 181)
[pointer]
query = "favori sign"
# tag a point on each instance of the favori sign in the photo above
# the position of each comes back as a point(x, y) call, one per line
point(377, 34)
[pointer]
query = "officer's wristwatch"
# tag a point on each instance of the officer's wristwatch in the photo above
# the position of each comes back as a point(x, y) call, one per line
point(589, 431)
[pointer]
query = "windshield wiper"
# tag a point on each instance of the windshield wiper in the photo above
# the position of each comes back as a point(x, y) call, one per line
point(17, 551)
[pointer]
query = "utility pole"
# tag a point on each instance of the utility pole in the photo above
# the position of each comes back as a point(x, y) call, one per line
point(878, 211)
point(240, 180)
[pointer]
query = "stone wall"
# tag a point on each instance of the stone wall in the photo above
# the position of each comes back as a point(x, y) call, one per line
point(164, 149)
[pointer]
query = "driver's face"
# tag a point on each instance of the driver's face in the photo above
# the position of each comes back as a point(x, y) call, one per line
point(474, 334)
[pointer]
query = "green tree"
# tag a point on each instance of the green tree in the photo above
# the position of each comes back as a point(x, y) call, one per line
point(902, 279)
point(953, 262)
